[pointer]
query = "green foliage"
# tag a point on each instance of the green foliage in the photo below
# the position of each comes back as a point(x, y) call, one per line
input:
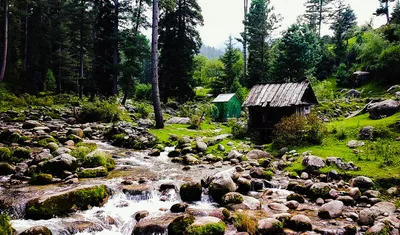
point(5, 226)
point(299, 130)
point(22, 153)
point(90, 146)
point(143, 91)
point(41, 179)
point(245, 223)
point(342, 75)
point(324, 90)
point(81, 152)
point(5, 154)
point(389, 60)
point(45, 141)
point(50, 82)
point(143, 110)
point(239, 130)
point(102, 111)
point(195, 122)
point(372, 46)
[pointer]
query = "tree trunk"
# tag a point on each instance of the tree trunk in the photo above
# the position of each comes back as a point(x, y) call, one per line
point(80, 83)
point(94, 64)
point(387, 12)
point(26, 37)
point(246, 4)
point(154, 51)
point(321, 5)
point(4, 64)
point(58, 86)
point(138, 17)
point(115, 50)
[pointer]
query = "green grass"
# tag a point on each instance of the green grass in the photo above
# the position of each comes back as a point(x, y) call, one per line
point(370, 162)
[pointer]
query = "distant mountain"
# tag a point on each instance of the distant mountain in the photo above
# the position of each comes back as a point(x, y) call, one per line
point(211, 52)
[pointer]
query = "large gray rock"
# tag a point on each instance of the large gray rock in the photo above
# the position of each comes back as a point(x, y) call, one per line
point(147, 123)
point(331, 210)
point(234, 155)
point(362, 182)
point(37, 230)
point(221, 185)
point(30, 124)
point(382, 208)
point(320, 190)
point(367, 133)
point(257, 154)
point(383, 109)
point(179, 120)
point(313, 163)
point(270, 226)
point(367, 217)
point(353, 93)
point(300, 223)
point(61, 163)
point(157, 225)
point(201, 146)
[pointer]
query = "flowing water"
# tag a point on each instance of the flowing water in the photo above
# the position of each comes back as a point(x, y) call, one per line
point(116, 216)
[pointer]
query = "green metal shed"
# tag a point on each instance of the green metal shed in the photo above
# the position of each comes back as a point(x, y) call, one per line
point(228, 106)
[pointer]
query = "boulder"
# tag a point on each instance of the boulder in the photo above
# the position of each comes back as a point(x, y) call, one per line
point(157, 225)
point(379, 229)
point(293, 205)
point(382, 208)
point(179, 207)
point(355, 144)
point(270, 226)
point(257, 154)
point(383, 109)
point(179, 120)
point(190, 159)
point(355, 193)
point(244, 185)
point(142, 190)
point(353, 93)
point(366, 217)
point(362, 182)
point(57, 165)
point(320, 190)
point(300, 223)
point(313, 163)
point(146, 123)
point(6, 169)
point(191, 191)
point(201, 146)
point(30, 124)
point(221, 185)
point(234, 155)
point(295, 197)
point(37, 230)
point(206, 226)
point(331, 210)
point(367, 133)
point(76, 131)
point(61, 204)
point(372, 193)
point(179, 225)
point(347, 200)
point(100, 171)
point(232, 198)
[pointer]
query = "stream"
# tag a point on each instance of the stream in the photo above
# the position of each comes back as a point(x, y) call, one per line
point(116, 216)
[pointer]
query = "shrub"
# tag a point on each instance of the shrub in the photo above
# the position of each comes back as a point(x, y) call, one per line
point(239, 130)
point(5, 226)
point(195, 122)
point(143, 91)
point(143, 110)
point(342, 75)
point(299, 130)
point(102, 111)
point(245, 223)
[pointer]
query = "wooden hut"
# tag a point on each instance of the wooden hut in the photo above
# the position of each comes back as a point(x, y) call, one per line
point(228, 106)
point(269, 103)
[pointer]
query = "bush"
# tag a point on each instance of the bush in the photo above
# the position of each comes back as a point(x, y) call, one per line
point(239, 130)
point(195, 122)
point(102, 111)
point(5, 226)
point(299, 130)
point(143, 110)
point(342, 75)
point(245, 223)
point(143, 92)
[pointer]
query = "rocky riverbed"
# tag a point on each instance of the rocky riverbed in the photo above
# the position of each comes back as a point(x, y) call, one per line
point(173, 190)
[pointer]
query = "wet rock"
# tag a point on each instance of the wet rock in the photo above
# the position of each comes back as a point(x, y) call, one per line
point(206, 226)
point(80, 226)
point(367, 133)
point(379, 229)
point(37, 230)
point(174, 153)
point(191, 159)
point(313, 163)
point(232, 198)
point(372, 193)
point(137, 190)
point(367, 217)
point(201, 146)
point(320, 190)
point(355, 193)
point(383, 109)
point(244, 185)
point(221, 185)
point(179, 207)
point(295, 197)
point(140, 215)
point(270, 227)
point(76, 131)
point(100, 171)
point(60, 163)
point(191, 191)
point(362, 182)
point(60, 204)
point(300, 223)
point(278, 207)
point(154, 153)
point(157, 225)
point(179, 225)
point(258, 154)
point(293, 205)
point(30, 124)
point(6, 169)
point(331, 210)
point(234, 155)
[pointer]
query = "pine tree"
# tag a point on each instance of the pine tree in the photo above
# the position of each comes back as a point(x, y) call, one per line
point(384, 9)
point(396, 14)
point(317, 13)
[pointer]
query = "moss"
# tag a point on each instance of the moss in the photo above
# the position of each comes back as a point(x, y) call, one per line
point(179, 225)
point(243, 159)
point(52, 146)
point(6, 169)
point(41, 179)
point(44, 142)
point(208, 229)
point(93, 172)
point(191, 192)
point(75, 138)
point(80, 153)
point(91, 146)
point(5, 226)
point(63, 204)
point(245, 223)
point(295, 197)
point(118, 140)
point(268, 174)
point(293, 175)
point(232, 198)
point(320, 191)
point(5, 154)
point(14, 137)
point(99, 159)
point(22, 153)
point(264, 162)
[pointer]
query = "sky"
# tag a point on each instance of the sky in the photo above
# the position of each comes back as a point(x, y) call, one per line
point(223, 18)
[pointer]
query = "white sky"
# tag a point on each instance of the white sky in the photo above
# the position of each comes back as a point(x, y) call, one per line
point(224, 17)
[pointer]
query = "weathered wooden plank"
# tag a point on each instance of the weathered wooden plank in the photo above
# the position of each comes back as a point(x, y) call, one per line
point(276, 100)
point(254, 94)
point(296, 94)
point(289, 94)
point(271, 94)
point(267, 94)
point(261, 96)
point(301, 93)
point(250, 96)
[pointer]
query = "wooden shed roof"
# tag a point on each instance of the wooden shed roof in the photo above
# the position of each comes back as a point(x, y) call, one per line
point(281, 95)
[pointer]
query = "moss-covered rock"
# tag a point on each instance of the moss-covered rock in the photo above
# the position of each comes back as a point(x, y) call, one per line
point(270, 227)
point(61, 204)
point(221, 185)
point(232, 198)
point(100, 171)
point(295, 197)
point(37, 230)
point(76, 131)
point(320, 190)
point(180, 224)
point(5, 226)
point(99, 158)
point(191, 191)
point(41, 179)
point(75, 138)
point(52, 146)
point(45, 141)
point(6, 169)
point(206, 226)
point(5, 154)
point(22, 153)
point(90, 145)
point(14, 137)
point(157, 225)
